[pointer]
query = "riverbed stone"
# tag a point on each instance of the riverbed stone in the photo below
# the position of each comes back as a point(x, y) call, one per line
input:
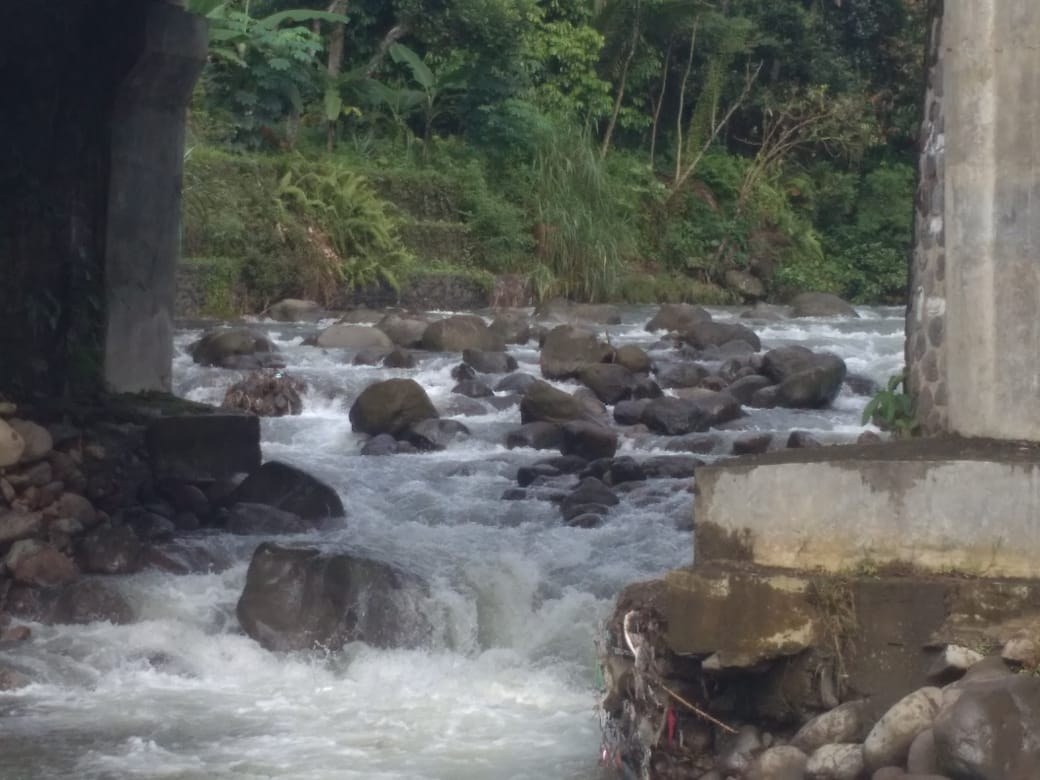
point(391, 406)
point(295, 310)
point(404, 331)
point(399, 358)
point(15, 525)
point(634, 359)
point(888, 743)
point(588, 440)
point(720, 407)
point(561, 310)
point(923, 757)
point(517, 382)
point(473, 388)
point(304, 598)
point(340, 336)
point(783, 762)
point(291, 489)
point(676, 317)
point(991, 731)
point(489, 362)
point(848, 722)
point(12, 445)
point(544, 403)
point(512, 327)
point(676, 416)
point(817, 304)
point(32, 562)
point(630, 412)
point(461, 332)
point(674, 375)
point(569, 349)
point(1023, 649)
point(609, 381)
point(249, 519)
point(538, 435)
point(110, 550)
point(38, 441)
point(752, 443)
point(429, 435)
point(703, 335)
point(225, 347)
point(266, 394)
point(838, 761)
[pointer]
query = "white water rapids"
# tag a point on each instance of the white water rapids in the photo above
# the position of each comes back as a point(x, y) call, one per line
point(507, 691)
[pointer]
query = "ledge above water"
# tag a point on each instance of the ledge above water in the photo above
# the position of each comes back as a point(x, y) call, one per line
point(944, 505)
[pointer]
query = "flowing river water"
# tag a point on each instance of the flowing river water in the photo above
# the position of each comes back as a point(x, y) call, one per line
point(507, 690)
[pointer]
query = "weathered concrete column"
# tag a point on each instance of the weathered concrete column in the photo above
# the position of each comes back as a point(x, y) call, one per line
point(143, 228)
point(992, 217)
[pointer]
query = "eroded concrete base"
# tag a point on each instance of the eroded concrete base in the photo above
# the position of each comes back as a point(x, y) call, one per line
point(937, 505)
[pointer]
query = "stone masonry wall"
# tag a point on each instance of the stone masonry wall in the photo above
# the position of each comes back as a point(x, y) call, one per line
point(926, 313)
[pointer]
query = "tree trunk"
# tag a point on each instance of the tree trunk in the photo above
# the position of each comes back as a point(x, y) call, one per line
point(621, 87)
point(335, 64)
point(682, 102)
point(660, 101)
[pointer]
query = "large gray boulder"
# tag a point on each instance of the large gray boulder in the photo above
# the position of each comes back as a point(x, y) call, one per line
point(391, 406)
point(489, 362)
point(511, 326)
point(588, 440)
point(677, 317)
point(806, 379)
point(567, 350)
point(888, 743)
point(233, 348)
point(303, 598)
point(290, 489)
point(816, 304)
point(461, 332)
point(544, 403)
point(703, 335)
point(295, 310)
point(403, 330)
point(991, 731)
point(353, 337)
point(675, 416)
point(609, 381)
point(720, 407)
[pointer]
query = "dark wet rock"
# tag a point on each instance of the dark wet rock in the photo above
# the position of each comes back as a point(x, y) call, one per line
point(399, 358)
point(991, 731)
point(382, 444)
point(714, 383)
point(567, 350)
point(868, 437)
point(706, 334)
point(861, 385)
point(512, 327)
point(765, 398)
point(110, 550)
point(814, 304)
point(186, 497)
point(752, 443)
point(435, 434)
point(32, 562)
point(596, 408)
point(341, 336)
point(617, 471)
point(744, 388)
point(473, 388)
point(267, 394)
point(15, 525)
point(720, 407)
point(537, 435)
point(676, 416)
point(630, 412)
point(257, 362)
point(203, 448)
point(514, 494)
point(246, 519)
point(222, 347)
point(529, 475)
point(609, 381)
point(295, 310)
point(489, 362)
point(360, 314)
point(370, 357)
point(634, 359)
point(403, 331)
point(699, 443)
point(37, 439)
point(586, 520)
point(287, 487)
point(677, 317)
point(391, 406)
point(681, 375)
point(12, 679)
point(802, 440)
point(671, 466)
point(461, 332)
point(590, 492)
point(148, 525)
point(515, 383)
point(87, 600)
point(806, 379)
point(502, 402)
point(544, 403)
point(304, 598)
point(588, 440)
point(645, 387)
point(463, 372)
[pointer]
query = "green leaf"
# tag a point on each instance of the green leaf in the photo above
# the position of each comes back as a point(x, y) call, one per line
point(300, 15)
point(401, 54)
point(333, 104)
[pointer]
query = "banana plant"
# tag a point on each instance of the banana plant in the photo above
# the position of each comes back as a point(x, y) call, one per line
point(433, 93)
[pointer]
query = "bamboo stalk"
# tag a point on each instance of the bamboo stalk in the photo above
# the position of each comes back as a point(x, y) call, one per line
point(697, 711)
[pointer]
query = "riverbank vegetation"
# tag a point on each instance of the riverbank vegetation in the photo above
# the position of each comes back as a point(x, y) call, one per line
point(635, 150)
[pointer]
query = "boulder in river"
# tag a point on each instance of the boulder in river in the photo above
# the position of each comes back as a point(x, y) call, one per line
point(676, 416)
point(391, 406)
point(266, 394)
point(609, 381)
point(544, 403)
point(805, 379)
point(512, 327)
point(489, 362)
point(703, 335)
point(677, 317)
point(817, 304)
point(295, 310)
point(588, 440)
point(461, 332)
point(404, 331)
point(537, 435)
point(291, 489)
point(226, 347)
point(428, 435)
point(353, 337)
point(567, 350)
point(304, 598)
point(203, 447)
point(247, 519)
point(32, 562)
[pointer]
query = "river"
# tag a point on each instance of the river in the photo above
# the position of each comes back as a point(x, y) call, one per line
point(507, 691)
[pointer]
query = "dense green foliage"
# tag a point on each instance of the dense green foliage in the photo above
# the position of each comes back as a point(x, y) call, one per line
point(628, 149)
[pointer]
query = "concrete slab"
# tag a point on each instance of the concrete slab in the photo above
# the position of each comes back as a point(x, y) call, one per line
point(946, 505)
